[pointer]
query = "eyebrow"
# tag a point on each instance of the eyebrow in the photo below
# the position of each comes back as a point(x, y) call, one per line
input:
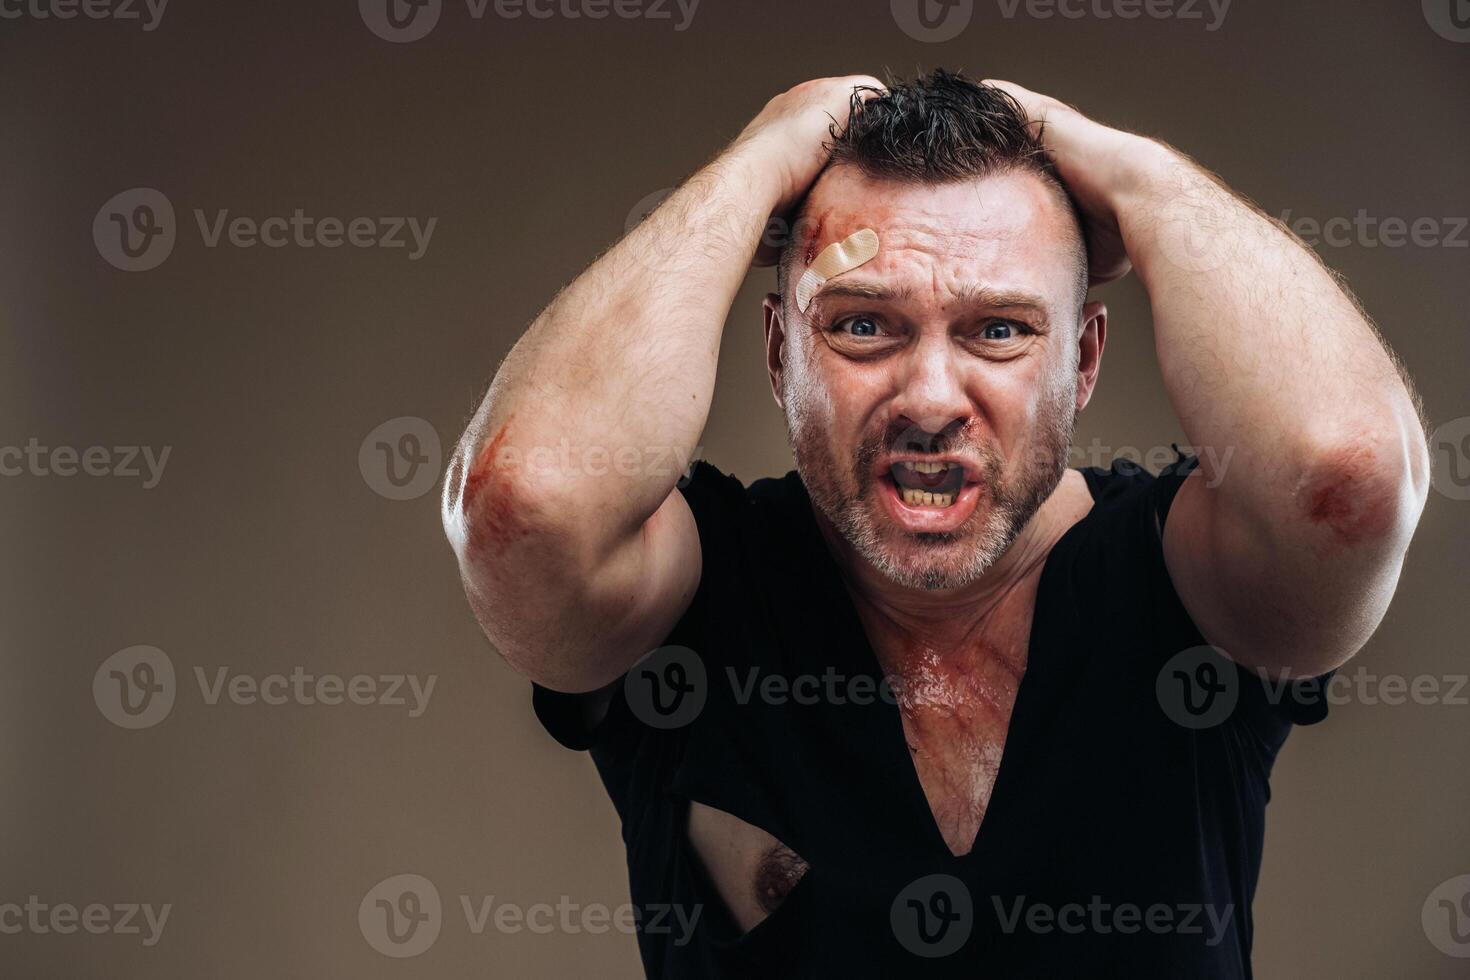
point(970, 294)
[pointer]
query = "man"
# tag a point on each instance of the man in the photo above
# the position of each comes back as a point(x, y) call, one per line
point(934, 699)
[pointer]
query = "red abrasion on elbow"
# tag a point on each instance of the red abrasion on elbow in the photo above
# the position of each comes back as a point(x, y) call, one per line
point(1346, 500)
point(493, 516)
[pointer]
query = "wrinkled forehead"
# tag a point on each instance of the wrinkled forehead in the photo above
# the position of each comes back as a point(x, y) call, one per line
point(1009, 231)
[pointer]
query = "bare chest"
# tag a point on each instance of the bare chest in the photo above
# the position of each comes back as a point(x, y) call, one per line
point(956, 706)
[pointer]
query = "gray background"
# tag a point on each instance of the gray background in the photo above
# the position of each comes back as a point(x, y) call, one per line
point(264, 548)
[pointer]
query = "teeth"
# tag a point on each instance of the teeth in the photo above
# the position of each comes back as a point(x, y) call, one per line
point(920, 498)
point(919, 466)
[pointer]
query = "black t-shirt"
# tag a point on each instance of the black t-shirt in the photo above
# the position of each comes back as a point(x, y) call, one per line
point(1123, 834)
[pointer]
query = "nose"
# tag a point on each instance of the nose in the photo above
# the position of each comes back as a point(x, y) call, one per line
point(931, 396)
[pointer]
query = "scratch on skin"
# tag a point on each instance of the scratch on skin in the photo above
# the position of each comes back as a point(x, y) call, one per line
point(494, 519)
point(1342, 498)
point(813, 237)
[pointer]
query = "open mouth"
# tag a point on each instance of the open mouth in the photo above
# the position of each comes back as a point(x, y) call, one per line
point(922, 483)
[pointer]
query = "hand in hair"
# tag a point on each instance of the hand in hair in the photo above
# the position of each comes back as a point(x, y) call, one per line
point(792, 135)
point(1100, 166)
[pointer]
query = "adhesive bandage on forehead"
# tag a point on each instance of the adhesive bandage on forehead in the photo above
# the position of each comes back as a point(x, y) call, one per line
point(837, 258)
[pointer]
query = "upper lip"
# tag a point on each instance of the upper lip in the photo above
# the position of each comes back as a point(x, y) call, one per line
point(885, 463)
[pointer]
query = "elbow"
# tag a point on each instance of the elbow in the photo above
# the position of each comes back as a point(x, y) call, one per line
point(1368, 491)
point(451, 503)
point(499, 514)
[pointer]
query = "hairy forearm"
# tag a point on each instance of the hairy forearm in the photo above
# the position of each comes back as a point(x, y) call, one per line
point(1273, 369)
point(592, 416)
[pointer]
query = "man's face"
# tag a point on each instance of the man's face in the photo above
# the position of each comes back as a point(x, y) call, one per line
point(930, 393)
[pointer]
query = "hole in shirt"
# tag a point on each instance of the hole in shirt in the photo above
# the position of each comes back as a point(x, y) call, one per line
point(750, 869)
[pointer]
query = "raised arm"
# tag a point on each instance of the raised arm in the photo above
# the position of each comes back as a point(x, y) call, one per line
point(577, 552)
point(1286, 545)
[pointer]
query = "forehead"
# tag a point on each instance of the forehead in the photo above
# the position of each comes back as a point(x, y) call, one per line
point(1010, 231)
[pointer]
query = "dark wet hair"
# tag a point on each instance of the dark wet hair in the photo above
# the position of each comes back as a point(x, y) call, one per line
point(938, 128)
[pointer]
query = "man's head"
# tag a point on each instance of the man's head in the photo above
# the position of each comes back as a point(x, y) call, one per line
point(966, 341)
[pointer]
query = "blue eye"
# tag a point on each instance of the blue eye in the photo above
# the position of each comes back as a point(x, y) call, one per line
point(859, 326)
point(990, 329)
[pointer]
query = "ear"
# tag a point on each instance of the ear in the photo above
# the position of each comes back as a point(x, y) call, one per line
point(775, 329)
point(1092, 333)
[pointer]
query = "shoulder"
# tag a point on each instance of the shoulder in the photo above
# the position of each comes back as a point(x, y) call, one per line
point(1129, 504)
point(723, 505)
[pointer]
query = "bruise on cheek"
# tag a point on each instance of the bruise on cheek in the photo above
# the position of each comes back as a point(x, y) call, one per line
point(1342, 498)
point(493, 516)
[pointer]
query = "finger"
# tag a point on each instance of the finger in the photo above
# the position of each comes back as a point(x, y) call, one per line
point(1017, 92)
point(867, 82)
point(1034, 103)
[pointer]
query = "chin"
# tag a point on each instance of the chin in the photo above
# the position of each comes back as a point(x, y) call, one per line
point(932, 561)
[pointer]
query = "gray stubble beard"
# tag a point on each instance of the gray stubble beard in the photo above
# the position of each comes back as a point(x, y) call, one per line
point(1002, 515)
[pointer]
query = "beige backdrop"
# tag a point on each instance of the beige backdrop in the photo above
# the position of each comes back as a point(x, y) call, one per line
point(264, 547)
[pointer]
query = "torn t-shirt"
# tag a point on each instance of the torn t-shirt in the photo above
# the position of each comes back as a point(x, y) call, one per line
point(1123, 834)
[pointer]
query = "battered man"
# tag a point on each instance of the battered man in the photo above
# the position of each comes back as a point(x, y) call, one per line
point(1088, 672)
